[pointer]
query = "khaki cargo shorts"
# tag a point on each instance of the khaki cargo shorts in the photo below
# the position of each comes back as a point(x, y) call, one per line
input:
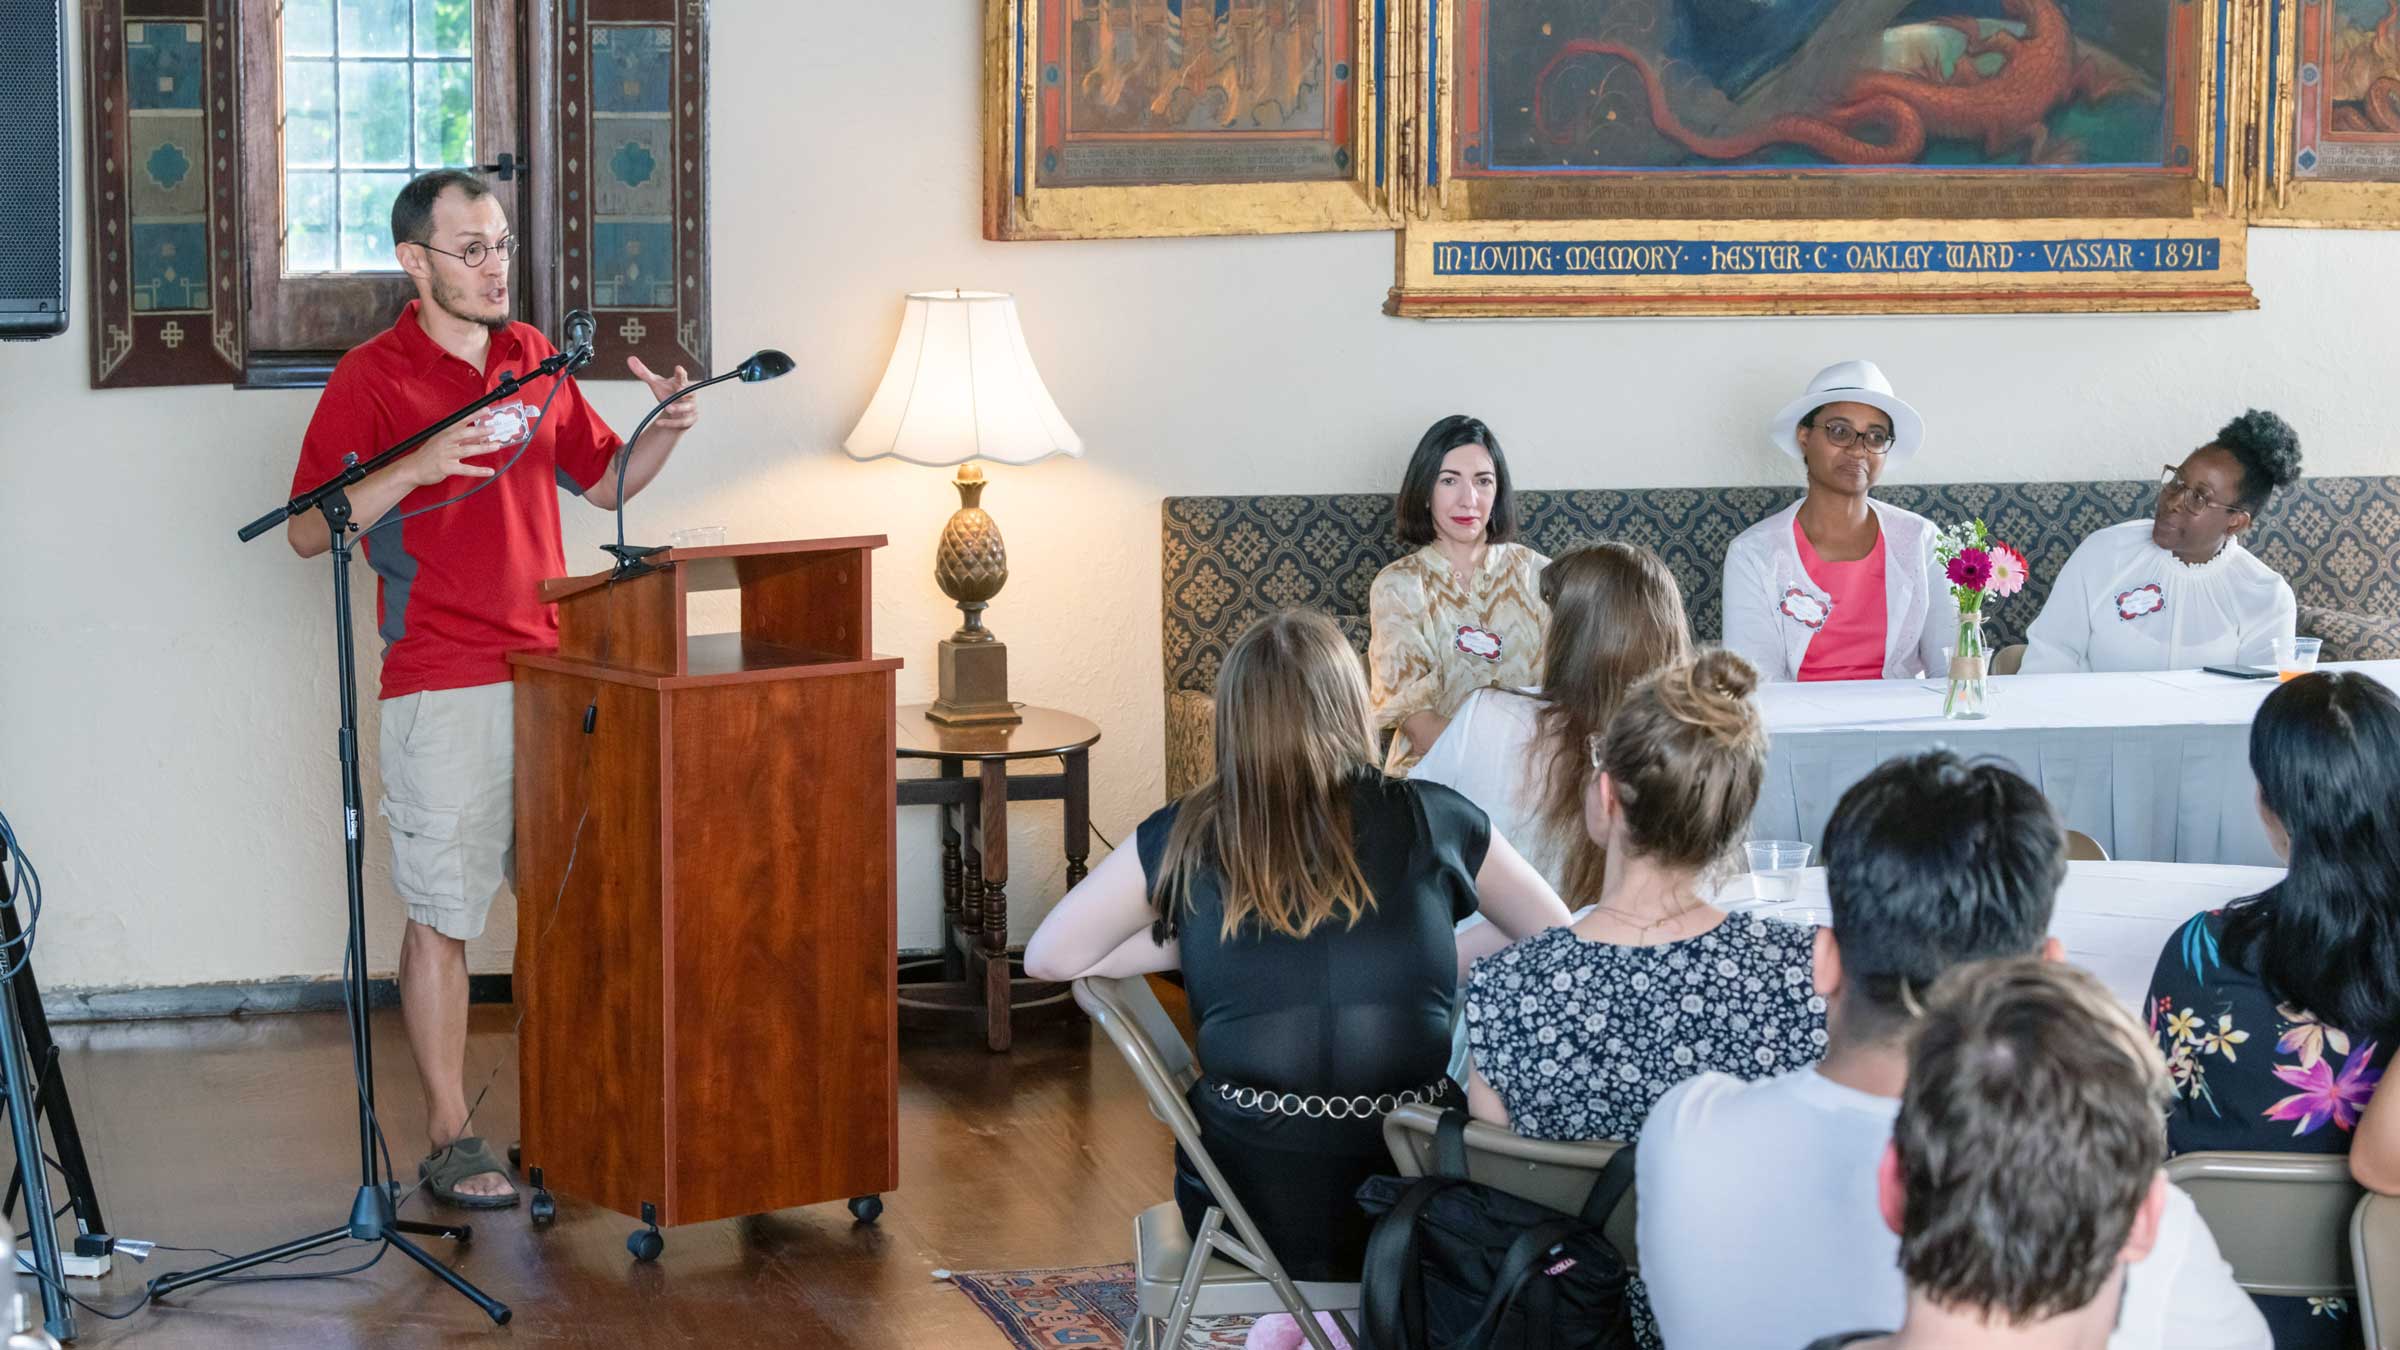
point(449, 796)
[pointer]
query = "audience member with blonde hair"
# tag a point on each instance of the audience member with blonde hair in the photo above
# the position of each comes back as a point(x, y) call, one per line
point(1931, 863)
point(1522, 755)
point(1309, 901)
point(2022, 1176)
point(1576, 1031)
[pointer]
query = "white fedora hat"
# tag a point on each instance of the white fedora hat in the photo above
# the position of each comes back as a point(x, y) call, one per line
point(1850, 382)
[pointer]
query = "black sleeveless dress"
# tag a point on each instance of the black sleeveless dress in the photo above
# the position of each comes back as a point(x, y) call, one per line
point(1361, 1010)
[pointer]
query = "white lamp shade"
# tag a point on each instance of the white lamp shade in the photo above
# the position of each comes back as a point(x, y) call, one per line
point(962, 385)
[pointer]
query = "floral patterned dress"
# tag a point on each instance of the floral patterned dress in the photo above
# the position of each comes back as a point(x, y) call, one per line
point(2252, 1073)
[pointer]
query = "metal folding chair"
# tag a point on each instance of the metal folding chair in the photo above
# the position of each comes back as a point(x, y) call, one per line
point(2375, 1261)
point(1227, 1269)
point(2283, 1220)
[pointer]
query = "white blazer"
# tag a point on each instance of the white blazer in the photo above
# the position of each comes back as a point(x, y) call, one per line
point(1767, 595)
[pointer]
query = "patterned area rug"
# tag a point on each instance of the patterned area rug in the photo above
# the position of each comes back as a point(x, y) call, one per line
point(1088, 1307)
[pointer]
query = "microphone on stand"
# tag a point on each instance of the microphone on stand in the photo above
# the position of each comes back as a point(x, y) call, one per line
point(762, 365)
point(580, 328)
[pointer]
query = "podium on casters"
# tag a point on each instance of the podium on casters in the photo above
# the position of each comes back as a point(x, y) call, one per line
point(706, 932)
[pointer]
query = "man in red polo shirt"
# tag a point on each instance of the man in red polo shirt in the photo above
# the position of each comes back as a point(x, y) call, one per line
point(456, 591)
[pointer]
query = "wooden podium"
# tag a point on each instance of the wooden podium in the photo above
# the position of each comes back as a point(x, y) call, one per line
point(709, 1003)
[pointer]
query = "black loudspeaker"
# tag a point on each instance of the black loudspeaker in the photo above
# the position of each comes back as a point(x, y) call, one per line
point(33, 168)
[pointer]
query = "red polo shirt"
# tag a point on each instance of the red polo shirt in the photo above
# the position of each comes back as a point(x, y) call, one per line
point(458, 589)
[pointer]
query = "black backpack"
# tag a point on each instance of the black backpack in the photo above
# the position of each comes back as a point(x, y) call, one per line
point(1457, 1265)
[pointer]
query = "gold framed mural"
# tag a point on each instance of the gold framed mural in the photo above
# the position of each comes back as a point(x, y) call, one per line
point(1116, 118)
point(2327, 123)
point(1602, 157)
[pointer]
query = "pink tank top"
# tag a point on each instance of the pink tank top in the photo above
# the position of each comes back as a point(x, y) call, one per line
point(1850, 645)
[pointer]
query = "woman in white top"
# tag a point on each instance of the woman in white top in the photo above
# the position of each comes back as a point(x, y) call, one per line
point(1616, 615)
point(2178, 591)
point(1839, 586)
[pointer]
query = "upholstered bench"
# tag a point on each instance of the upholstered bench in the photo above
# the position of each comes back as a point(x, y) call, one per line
point(1228, 560)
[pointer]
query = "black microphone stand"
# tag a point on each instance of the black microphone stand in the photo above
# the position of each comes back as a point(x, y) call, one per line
point(372, 1213)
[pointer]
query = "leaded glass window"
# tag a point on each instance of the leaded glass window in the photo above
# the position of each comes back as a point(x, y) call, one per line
point(374, 93)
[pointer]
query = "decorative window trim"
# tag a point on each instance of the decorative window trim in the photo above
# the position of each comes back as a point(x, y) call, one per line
point(608, 198)
point(163, 189)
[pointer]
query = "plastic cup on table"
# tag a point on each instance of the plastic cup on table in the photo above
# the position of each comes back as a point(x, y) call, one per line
point(1775, 866)
point(2296, 656)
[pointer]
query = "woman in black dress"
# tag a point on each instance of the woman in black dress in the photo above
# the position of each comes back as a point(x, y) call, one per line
point(2277, 1015)
point(1309, 901)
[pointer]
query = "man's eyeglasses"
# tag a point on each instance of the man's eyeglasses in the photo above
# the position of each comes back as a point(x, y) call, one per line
point(2173, 487)
point(474, 254)
point(1841, 436)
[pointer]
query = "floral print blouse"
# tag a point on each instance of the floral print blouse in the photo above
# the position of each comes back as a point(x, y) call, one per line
point(2250, 1072)
point(1434, 642)
point(1581, 1038)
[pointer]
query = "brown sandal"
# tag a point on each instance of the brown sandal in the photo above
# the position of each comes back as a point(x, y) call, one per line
point(467, 1156)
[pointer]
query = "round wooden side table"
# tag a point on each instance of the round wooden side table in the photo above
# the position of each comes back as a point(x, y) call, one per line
point(975, 850)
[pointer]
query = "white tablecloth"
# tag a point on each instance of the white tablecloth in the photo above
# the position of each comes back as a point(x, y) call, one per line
point(2154, 766)
point(2113, 917)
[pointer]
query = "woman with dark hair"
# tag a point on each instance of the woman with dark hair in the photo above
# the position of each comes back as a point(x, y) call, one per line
point(1463, 612)
point(2178, 591)
point(1309, 901)
point(2277, 1015)
point(1616, 616)
point(1839, 585)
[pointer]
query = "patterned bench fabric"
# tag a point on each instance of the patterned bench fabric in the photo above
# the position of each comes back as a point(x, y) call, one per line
point(1229, 560)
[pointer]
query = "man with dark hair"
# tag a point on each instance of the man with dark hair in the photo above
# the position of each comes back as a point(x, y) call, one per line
point(2022, 1176)
point(1758, 1220)
point(2177, 591)
point(461, 532)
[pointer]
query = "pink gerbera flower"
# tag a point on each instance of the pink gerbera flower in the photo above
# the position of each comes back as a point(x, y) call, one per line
point(2008, 570)
point(1972, 569)
point(2325, 1096)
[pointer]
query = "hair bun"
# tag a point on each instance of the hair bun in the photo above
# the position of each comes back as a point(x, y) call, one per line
point(1724, 674)
point(1711, 693)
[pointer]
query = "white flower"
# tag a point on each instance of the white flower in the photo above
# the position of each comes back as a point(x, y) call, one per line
point(1629, 1073)
point(1692, 1003)
point(1548, 1035)
point(1683, 1055)
point(1765, 1057)
point(1562, 982)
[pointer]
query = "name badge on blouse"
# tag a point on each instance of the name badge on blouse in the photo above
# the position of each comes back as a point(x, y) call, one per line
point(1478, 642)
point(2141, 602)
point(1809, 611)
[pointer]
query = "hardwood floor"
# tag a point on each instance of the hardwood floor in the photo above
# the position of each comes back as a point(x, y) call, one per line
point(239, 1133)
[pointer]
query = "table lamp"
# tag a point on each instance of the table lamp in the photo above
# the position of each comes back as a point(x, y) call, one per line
point(961, 387)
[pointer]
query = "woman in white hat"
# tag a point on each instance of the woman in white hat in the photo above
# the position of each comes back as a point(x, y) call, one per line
point(1839, 586)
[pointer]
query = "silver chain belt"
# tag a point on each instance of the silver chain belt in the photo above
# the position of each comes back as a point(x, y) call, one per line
point(1329, 1108)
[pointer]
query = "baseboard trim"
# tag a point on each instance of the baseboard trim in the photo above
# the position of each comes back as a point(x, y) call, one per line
point(261, 998)
point(243, 998)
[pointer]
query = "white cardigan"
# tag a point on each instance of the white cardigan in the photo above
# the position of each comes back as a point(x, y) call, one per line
point(1763, 571)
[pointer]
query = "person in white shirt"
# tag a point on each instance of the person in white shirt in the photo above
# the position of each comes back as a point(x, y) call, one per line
point(1758, 1219)
point(2022, 1176)
point(2178, 591)
point(1616, 615)
point(1839, 586)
